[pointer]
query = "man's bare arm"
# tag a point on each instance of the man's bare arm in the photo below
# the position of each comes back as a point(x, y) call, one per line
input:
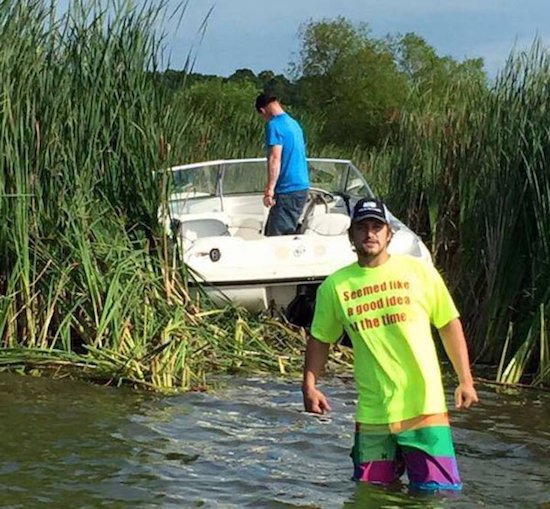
point(274, 155)
point(457, 351)
point(315, 360)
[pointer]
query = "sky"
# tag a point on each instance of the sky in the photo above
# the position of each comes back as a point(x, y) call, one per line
point(263, 35)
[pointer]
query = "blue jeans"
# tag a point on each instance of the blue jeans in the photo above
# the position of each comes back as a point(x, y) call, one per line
point(284, 215)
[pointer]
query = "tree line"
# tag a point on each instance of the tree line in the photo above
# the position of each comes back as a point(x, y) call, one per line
point(354, 85)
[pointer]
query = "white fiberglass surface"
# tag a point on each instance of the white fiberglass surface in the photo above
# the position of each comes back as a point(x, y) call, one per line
point(223, 200)
point(235, 209)
point(291, 256)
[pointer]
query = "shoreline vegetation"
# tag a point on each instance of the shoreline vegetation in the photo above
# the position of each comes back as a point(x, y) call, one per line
point(89, 284)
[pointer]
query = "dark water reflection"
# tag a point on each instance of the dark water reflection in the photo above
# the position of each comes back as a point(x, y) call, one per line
point(66, 444)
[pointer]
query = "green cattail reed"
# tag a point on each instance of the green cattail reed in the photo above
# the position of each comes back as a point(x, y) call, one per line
point(471, 175)
point(88, 277)
point(88, 280)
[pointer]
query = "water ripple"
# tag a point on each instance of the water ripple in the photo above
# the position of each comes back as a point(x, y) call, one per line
point(247, 444)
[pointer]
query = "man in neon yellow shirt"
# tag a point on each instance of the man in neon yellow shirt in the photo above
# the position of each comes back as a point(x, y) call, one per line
point(386, 304)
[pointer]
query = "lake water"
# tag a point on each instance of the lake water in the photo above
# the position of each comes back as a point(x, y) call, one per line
point(247, 444)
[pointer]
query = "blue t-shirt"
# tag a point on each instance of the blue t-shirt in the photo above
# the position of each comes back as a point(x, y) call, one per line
point(285, 131)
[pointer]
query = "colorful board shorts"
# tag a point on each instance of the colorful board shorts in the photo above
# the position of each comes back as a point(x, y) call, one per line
point(422, 445)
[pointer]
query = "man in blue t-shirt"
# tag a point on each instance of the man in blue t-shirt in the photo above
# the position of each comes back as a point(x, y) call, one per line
point(287, 173)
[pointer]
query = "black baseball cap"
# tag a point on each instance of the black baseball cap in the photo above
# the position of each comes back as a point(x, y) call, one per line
point(372, 208)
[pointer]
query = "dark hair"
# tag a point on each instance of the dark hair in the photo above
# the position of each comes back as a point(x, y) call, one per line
point(263, 100)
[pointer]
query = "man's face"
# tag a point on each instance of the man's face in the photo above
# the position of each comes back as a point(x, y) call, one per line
point(370, 237)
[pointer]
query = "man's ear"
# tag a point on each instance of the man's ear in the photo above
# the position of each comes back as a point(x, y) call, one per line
point(351, 240)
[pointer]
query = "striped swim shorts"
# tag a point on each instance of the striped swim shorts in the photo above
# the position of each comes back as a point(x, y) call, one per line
point(422, 446)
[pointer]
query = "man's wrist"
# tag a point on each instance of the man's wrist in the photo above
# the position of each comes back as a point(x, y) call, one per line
point(307, 389)
point(466, 380)
point(309, 383)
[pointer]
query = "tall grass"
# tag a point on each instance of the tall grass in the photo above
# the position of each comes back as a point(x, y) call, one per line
point(87, 279)
point(471, 174)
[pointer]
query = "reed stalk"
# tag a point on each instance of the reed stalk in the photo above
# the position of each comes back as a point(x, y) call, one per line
point(89, 282)
point(90, 279)
point(471, 175)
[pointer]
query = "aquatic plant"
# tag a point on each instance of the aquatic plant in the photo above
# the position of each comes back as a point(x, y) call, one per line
point(89, 282)
point(88, 279)
point(470, 173)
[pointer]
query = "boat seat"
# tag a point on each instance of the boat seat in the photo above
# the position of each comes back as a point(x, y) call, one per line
point(193, 229)
point(327, 224)
point(248, 229)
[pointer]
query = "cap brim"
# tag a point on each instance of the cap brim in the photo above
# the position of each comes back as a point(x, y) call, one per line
point(370, 216)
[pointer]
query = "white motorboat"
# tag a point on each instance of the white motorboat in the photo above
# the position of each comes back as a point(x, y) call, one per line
point(217, 215)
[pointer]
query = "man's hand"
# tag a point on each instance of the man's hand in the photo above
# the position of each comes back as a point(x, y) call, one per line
point(315, 401)
point(315, 359)
point(465, 396)
point(269, 201)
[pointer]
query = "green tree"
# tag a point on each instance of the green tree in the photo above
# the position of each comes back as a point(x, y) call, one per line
point(244, 76)
point(431, 75)
point(221, 99)
point(349, 78)
point(220, 118)
point(279, 86)
point(266, 76)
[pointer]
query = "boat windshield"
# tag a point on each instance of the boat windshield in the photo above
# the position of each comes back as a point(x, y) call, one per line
point(248, 176)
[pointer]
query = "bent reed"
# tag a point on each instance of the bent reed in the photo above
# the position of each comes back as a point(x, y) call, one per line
point(89, 285)
point(471, 175)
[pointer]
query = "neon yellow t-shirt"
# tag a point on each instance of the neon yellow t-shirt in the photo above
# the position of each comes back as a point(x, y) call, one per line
point(387, 312)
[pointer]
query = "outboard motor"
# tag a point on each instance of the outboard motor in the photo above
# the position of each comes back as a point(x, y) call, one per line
point(300, 310)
